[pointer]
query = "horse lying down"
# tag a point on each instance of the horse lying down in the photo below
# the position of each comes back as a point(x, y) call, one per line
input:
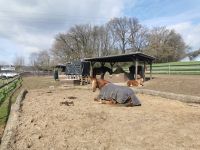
point(138, 82)
point(113, 94)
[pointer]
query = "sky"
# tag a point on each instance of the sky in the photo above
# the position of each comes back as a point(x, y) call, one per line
point(28, 26)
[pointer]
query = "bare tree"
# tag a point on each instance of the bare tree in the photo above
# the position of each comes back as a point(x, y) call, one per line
point(81, 35)
point(33, 59)
point(138, 34)
point(120, 29)
point(19, 62)
point(100, 41)
point(43, 60)
point(64, 49)
point(119, 34)
point(75, 44)
point(166, 45)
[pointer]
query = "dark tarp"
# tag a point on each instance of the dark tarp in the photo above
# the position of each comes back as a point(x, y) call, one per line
point(78, 68)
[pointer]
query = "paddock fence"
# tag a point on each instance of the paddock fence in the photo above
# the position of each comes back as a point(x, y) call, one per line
point(8, 87)
point(184, 68)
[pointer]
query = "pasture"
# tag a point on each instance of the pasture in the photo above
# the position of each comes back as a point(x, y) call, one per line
point(46, 123)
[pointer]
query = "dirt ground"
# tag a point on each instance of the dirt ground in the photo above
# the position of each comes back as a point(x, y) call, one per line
point(179, 84)
point(159, 123)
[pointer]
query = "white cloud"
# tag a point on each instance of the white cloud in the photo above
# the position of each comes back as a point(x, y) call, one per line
point(33, 24)
point(190, 33)
point(183, 24)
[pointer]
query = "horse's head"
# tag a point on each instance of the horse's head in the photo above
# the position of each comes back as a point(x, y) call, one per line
point(97, 83)
point(94, 83)
point(108, 70)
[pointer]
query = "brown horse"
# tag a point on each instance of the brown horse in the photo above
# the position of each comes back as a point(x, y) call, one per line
point(113, 94)
point(137, 82)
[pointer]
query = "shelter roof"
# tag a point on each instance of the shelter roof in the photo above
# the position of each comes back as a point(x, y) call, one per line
point(123, 58)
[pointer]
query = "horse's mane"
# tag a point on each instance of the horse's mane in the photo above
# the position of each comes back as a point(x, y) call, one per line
point(101, 83)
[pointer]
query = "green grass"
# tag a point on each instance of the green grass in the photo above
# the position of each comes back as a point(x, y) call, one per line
point(3, 113)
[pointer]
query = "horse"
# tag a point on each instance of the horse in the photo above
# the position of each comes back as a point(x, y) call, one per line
point(101, 71)
point(137, 82)
point(114, 94)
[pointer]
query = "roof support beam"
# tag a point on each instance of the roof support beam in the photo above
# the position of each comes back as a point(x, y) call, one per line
point(150, 70)
point(136, 68)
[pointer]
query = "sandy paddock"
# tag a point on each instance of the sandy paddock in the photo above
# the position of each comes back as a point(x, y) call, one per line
point(158, 124)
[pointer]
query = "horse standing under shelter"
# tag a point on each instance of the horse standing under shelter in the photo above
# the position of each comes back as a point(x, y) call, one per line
point(112, 94)
point(101, 71)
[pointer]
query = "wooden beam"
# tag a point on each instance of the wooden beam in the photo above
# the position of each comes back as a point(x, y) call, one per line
point(111, 65)
point(144, 69)
point(91, 68)
point(102, 64)
point(136, 68)
point(150, 70)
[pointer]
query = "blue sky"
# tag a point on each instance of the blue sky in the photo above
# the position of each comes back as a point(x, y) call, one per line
point(30, 26)
point(152, 9)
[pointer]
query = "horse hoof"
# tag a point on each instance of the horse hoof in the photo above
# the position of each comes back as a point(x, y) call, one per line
point(95, 99)
point(138, 105)
point(129, 105)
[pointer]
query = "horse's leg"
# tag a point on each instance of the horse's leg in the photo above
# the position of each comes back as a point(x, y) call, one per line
point(113, 101)
point(97, 99)
point(134, 101)
point(109, 101)
point(102, 75)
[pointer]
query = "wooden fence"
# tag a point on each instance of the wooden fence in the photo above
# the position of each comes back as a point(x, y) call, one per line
point(7, 86)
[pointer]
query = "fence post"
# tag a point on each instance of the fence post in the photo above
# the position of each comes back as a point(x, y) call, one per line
point(169, 67)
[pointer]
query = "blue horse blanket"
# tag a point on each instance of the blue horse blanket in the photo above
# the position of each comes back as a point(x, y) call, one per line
point(118, 93)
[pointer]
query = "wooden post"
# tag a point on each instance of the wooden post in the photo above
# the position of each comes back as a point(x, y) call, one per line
point(102, 74)
point(111, 65)
point(81, 80)
point(102, 64)
point(136, 68)
point(91, 68)
point(150, 70)
point(144, 70)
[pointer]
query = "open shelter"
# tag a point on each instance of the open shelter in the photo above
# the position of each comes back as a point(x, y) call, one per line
point(136, 58)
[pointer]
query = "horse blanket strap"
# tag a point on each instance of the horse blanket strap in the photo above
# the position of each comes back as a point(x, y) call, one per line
point(118, 93)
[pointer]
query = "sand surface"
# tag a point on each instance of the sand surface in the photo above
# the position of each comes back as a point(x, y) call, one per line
point(159, 123)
